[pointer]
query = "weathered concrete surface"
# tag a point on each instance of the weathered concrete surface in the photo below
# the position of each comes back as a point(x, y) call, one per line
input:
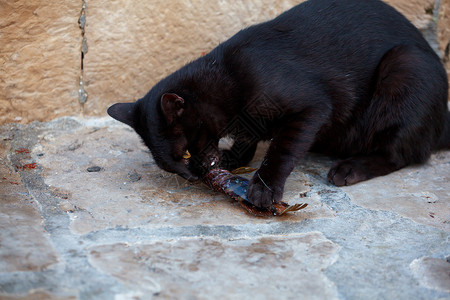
point(138, 202)
point(211, 268)
point(132, 231)
point(433, 273)
point(24, 244)
point(36, 295)
point(419, 193)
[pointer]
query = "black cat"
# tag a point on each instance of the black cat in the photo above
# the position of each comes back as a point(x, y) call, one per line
point(348, 78)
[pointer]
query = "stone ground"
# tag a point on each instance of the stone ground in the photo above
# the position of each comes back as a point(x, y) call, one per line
point(132, 231)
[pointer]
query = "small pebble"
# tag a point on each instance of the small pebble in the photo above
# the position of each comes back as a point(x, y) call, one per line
point(94, 169)
point(134, 176)
point(74, 146)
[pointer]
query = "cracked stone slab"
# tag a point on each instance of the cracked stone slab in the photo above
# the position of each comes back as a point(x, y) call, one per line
point(421, 193)
point(129, 190)
point(24, 244)
point(376, 246)
point(432, 273)
point(35, 295)
point(209, 268)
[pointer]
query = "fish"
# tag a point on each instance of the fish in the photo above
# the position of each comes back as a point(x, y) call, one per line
point(236, 186)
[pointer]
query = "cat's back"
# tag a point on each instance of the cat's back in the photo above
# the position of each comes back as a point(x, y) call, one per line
point(332, 27)
point(328, 38)
point(355, 17)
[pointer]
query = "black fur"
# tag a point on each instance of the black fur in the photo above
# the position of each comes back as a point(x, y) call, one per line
point(348, 78)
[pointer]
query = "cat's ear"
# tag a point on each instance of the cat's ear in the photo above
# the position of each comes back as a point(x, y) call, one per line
point(124, 112)
point(172, 107)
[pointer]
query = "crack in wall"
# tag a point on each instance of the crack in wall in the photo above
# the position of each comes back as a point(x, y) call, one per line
point(82, 94)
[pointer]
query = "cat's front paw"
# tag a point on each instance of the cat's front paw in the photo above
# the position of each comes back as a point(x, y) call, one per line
point(262, 194)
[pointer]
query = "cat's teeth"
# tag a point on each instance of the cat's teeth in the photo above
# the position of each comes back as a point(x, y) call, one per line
point(213, 163)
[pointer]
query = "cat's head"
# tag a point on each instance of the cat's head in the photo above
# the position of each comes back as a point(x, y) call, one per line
point(170, 126)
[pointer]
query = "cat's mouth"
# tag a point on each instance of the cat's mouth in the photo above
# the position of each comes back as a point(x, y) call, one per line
point(179, 167)
point(201, 164)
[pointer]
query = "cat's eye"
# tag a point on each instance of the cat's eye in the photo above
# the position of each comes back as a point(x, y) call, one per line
point(187, 155)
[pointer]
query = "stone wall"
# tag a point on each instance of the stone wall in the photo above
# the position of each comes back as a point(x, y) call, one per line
point(39, 59)
point(444, 33)
point(130, 46)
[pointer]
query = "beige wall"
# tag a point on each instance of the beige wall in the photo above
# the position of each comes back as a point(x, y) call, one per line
point(131, 45)
point(39, 59)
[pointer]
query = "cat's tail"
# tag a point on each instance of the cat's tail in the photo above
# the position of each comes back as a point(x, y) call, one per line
point(444, 141)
